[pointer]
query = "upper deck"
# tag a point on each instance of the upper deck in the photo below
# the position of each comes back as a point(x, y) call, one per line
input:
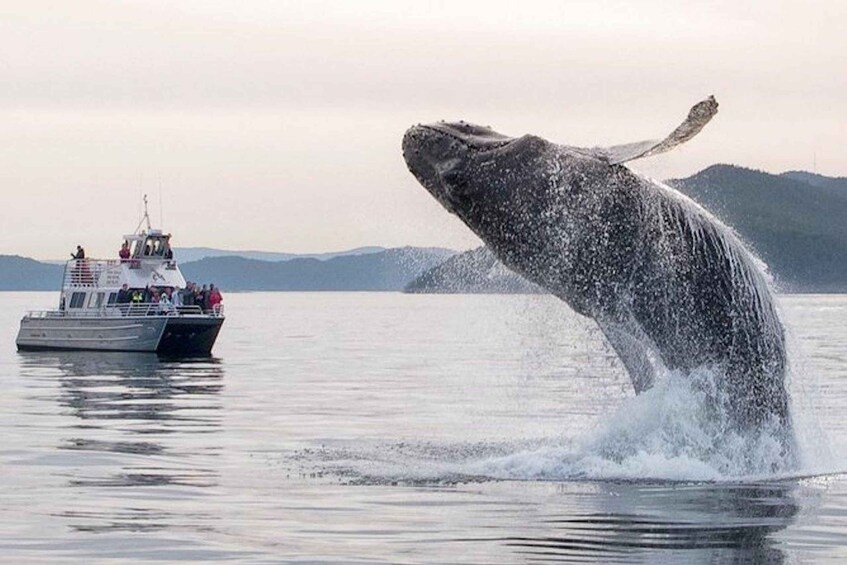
point(92, 287)
point(149, 263)
point(112, 273)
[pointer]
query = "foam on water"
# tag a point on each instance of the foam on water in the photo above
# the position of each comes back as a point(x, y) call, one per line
point(677, 431)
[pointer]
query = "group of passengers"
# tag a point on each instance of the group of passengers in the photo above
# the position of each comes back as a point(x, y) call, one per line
point(170, 299)
point(160, 248)
point(207, 298)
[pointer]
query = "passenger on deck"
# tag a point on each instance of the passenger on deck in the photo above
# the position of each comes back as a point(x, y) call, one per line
point(200, 297)
point(187, 294)
point(215, 298)
point(124, 295)
point(164, 301)
point(124, 252)
point(80, 273)
point(176, 297)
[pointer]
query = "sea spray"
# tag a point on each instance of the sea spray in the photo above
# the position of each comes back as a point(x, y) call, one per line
point(680, 430)
point(815, 451)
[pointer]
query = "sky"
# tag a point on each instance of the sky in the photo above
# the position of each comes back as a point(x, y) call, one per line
point(276, 125)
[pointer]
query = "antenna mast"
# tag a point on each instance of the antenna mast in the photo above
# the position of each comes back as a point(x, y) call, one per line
point(145, 218)
point(161, 208)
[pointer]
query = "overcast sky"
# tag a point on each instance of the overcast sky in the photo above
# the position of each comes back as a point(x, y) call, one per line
point(276, 125)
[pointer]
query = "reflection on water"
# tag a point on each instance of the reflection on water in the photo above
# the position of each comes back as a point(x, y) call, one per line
point(709, 523)
point(578, 520)
point(136, 422)
point(130, 458)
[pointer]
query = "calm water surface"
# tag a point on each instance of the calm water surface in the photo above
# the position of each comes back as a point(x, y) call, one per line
point(385, 428)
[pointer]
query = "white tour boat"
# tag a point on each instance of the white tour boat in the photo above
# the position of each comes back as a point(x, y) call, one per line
point(95, 314)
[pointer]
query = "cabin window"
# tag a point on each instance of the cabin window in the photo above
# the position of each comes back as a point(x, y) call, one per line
point(77, 300)
point(96, 299)
point(113, 297)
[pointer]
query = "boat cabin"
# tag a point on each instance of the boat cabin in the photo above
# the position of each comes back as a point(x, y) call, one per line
point(149, 245)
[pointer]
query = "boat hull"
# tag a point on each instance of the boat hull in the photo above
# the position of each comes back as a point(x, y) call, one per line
point(166, 335)
point(189, 336)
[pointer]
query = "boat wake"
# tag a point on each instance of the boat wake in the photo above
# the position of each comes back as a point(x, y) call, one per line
point(677, 431)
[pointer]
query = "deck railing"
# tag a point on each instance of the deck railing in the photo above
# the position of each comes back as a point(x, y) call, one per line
point(129, 310)
point(88, 273)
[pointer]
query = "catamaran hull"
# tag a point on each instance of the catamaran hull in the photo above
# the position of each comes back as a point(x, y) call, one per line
point(189, 336)
point(166, 335)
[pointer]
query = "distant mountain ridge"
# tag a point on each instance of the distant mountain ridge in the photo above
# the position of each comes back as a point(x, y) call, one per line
point(387, 270)
point(814, 179)
point(796, 222)
point(473, 272)
point(23, 273)
point(188, 254)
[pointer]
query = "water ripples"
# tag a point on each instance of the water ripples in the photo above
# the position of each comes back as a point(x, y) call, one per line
point(337, 428)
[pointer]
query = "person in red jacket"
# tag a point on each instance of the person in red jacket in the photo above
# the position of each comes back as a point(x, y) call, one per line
point(124, 252)
point(214, 299)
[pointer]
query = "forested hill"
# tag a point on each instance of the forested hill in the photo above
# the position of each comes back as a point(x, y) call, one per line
point(796, 222)
point(22, 273)
point(391, 269)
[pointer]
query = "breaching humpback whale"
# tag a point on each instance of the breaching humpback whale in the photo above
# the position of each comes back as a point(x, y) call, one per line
point(669, 285)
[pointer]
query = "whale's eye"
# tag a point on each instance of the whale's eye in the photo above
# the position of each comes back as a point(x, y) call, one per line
point(455, 180)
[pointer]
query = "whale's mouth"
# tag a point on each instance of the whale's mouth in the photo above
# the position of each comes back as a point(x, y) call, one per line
point(436, 155)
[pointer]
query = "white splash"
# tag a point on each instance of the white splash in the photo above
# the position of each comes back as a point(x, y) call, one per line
point(674, 431)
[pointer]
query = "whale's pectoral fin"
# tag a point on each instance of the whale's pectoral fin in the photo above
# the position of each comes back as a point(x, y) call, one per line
point(698, 117)
point(633, 353)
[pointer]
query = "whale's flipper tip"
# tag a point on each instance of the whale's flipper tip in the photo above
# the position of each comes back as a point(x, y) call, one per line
point(699, 115)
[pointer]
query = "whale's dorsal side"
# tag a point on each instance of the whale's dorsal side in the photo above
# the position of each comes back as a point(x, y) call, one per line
point(699, 115)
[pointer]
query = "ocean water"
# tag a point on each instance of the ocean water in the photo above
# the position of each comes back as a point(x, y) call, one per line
point(390, 428)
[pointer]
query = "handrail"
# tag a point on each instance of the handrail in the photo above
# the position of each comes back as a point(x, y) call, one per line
point(131, 310)
point(87, 273)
